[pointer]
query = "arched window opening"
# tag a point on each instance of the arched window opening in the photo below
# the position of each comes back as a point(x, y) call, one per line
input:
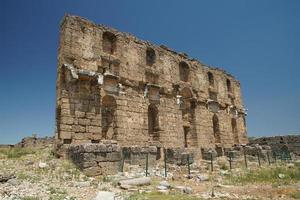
point(228, 83)
point(210, 78)
point(234, 131)
point(184, 71)
point(216, 129)
point(109, 42)
point(150, 56)
point(108, 122)
point(186, 104)
point(153, 122)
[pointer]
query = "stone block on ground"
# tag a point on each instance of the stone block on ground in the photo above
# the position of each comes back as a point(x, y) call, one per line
point(136, 181)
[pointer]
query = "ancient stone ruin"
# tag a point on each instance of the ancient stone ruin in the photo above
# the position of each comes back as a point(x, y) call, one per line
point(113, 86)
point(281, 144)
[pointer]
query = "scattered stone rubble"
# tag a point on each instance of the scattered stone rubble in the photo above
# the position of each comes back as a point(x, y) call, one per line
point(42, 174)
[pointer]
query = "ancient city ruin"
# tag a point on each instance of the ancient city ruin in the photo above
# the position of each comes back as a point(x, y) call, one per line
point(113, 88)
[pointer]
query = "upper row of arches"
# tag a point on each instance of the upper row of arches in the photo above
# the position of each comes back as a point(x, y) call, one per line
point(109, 46)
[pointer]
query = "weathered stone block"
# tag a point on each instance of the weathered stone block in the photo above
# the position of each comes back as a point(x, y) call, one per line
point(95, 159)
point(84, 122)
point(94, 129)
point(78, 128)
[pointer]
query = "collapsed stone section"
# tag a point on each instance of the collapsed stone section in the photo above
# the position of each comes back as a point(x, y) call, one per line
point(113, 86)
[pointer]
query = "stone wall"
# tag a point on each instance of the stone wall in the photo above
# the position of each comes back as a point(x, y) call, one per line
point(96, 159)
point(136, 155)
point(178, 156)
point(289, 143)
point(111, 85)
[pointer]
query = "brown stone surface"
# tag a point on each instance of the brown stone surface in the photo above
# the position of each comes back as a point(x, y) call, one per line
point(96, 159)
point(111, 85)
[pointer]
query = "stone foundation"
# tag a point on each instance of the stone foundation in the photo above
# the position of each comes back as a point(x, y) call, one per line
point(179, 156)
point(136, 155)
point(96, 159)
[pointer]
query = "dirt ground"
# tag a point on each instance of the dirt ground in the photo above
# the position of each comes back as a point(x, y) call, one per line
point(37, 174)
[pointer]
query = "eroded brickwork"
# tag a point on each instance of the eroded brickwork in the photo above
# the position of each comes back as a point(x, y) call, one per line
point(111, 85)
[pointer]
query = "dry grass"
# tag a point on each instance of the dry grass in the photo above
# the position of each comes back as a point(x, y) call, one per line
point(16, 152)
point(267, 175)
point(160, 196)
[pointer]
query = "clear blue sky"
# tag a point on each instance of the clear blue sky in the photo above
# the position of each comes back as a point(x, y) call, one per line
point(257, 41)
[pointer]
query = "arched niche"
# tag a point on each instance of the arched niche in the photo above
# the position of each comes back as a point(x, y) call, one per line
point(184, 71)
point(109, 42)
point(234, 130)
point(216, 129)
point(150, 56)
point(211, 80)
point(153, 122)
point(108, 117)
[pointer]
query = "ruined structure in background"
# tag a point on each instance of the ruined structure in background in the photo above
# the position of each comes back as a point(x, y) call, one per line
point(279, 144)
point(35, 142)
point(113, 86)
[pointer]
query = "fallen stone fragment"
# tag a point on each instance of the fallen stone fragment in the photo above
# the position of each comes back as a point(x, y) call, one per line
point(136, 181)
point(281, 176)
point(125, 187)
point(202, 177)
point(163, 191)
point(13, 181)
point(224, 172)
point(184, 189)
point(105, 195)
point(4, 178)
point(82, 184)
point(42, 165)
point(188, 190)
point(161, 187)
point(179, 188)
point(290, 165)
point(165, 184)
